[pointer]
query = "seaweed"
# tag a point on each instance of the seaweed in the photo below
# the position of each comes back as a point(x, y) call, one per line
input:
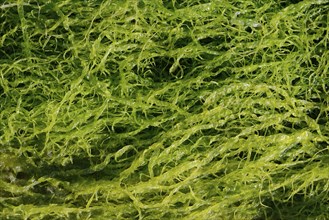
point(164, 109)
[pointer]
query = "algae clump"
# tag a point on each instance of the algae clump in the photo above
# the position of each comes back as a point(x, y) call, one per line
point(149, 109)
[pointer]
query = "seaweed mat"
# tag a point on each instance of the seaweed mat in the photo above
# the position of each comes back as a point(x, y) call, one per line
point(149, 109)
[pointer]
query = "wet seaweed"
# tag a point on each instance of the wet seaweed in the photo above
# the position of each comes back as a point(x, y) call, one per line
point(164, 109)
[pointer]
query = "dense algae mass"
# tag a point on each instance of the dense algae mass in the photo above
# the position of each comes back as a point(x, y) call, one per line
point(149, 109)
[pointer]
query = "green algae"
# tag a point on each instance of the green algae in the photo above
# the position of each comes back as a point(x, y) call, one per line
point(164, 109)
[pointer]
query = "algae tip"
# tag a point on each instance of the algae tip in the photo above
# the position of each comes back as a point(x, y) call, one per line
point(3, 6)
